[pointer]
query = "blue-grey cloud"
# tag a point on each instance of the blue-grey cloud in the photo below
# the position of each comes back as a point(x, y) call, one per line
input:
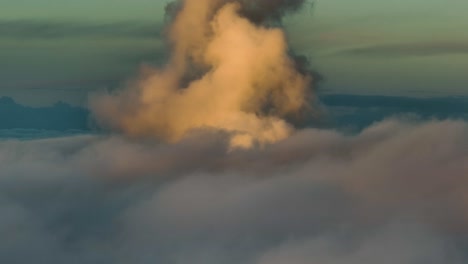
point(393, 193)
point(408, 49)
point(43, 29)
point(355, 112)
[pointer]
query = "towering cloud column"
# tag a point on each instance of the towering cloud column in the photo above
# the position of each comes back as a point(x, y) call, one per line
point(229, 70)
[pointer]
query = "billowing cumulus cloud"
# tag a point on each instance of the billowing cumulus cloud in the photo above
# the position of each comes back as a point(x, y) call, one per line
point(230, 70)
point(395, 193)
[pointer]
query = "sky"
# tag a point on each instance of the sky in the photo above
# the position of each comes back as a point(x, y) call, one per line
point(225, 149)
point(63, 50)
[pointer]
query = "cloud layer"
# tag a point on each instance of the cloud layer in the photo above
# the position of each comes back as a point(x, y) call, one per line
point(45, 29)
point(395, 193)
point(410, 49)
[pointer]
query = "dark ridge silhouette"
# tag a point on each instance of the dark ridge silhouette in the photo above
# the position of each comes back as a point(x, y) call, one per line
point(58, 117)
point(344, 111)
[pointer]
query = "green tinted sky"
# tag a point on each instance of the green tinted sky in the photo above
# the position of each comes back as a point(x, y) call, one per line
point(84, 9)
point(404, 47)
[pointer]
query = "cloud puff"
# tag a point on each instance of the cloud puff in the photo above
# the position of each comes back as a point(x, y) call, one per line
point(395, 193)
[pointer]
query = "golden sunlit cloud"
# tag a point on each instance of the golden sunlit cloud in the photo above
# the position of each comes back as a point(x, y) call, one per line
point(225, 73)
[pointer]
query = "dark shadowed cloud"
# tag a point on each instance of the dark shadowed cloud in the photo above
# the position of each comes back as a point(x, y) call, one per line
point(257, 11)
point(262, 10)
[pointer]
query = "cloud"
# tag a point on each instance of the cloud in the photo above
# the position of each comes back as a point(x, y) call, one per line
point(394, 192)
point(257, 11)
point(408, 49)
point(229, 70)
point(43, 29)
point(357, 112)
